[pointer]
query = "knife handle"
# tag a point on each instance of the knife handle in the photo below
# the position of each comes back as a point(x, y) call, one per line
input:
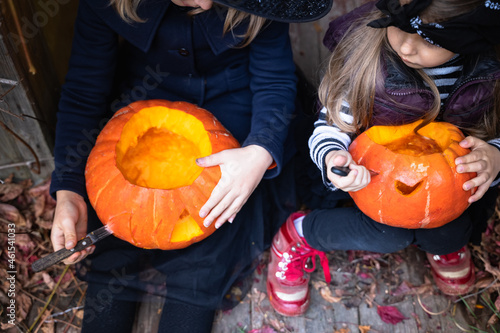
point(340, 170)
point(60, 255)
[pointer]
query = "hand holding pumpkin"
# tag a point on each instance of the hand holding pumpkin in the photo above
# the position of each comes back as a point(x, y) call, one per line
point(70, 224)
point(358, 177)
point(242, 170)
point(484, 159)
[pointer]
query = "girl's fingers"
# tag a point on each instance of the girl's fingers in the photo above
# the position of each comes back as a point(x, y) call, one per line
point(217, 211)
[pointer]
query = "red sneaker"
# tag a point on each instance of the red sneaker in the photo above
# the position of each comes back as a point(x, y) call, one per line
point(453, 273)
point(292, 261)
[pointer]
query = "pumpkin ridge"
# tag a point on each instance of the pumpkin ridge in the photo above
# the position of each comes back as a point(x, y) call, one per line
point(156, 222)
point(176, 206)
point(129, 223)
point(104, 187)
point(141, 223)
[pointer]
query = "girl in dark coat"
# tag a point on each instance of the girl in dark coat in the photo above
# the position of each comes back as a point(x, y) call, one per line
point(235, 64)
point(393, 65)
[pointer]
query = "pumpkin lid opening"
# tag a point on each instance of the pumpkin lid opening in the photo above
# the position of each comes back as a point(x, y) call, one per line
point(414, 145)
point(158, 148)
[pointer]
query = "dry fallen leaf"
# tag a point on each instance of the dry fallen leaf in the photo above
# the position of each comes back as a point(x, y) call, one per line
point(364, 328)
point(10, 191)
point(12, 214)
point(48, 325)
point(371, 294)
point(343, 330)
point(326, 293)
point(48, 280)
point(257, 296)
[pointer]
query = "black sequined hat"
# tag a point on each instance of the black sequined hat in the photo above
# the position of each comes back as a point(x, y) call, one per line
point(282, 10)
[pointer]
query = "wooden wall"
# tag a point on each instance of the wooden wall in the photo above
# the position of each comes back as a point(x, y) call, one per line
point(35, 41)
point(307, 40)
point(34, 50)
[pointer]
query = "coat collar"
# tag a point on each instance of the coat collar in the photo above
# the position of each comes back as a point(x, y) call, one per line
point(141, 35)
point(218, 42)
point(138, 34)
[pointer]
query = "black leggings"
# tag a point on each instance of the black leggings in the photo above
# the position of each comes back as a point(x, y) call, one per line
point(110, 315)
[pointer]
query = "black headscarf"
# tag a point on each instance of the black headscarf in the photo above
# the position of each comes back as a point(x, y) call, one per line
point(473, 32)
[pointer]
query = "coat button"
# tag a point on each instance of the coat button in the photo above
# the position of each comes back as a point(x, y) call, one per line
point(183, 52)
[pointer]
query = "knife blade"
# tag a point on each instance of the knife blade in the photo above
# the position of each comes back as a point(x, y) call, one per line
point(344, 171)
point(58, 256)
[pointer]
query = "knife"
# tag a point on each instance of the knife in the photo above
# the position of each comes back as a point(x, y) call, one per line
point(343, 171)
point(63, 253)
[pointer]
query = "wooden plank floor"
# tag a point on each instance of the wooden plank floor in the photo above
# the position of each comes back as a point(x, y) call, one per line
point(360, 284)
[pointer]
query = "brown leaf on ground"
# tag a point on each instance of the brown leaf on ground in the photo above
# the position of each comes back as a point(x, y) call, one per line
point(370, 296)
point(343, 330)
point(326, 292)
point(364, 328)
point(5, 326)
point(38, 205)
point(79, 314)
point(257, 296)
point(44, 224)
point(25, 243)
point(10, 191)
point(278, 325)
point(23, 303)
point(48, 280)
point(427, 288)
point(11, 214)
point(46, 323)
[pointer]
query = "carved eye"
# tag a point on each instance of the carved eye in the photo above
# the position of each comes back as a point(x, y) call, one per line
point(407, 189)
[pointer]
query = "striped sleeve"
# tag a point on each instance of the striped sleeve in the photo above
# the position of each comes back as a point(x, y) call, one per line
point(326, 138)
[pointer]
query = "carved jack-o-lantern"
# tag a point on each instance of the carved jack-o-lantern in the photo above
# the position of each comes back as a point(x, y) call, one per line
point(417, 185)
point(142, 177)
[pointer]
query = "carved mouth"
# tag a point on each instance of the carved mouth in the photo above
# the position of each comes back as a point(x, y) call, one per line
point(406, 189)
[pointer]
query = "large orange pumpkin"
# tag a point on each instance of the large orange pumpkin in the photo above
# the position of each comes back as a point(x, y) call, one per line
point(142, 178)
point(417, 185)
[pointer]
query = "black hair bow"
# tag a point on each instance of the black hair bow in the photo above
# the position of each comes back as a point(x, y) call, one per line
point(474, 32)
point(397, 15)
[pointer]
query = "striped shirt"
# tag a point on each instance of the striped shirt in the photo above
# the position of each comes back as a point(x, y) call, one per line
point(445, 76)
point(326, 138)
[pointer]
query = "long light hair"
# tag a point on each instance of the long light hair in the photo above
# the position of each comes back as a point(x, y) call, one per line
point(127, 9)
point(354, 70)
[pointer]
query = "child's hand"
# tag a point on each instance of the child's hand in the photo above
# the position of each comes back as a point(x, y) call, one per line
point(242, 170)
point(484, 159)
point(358, 178)
point(70, 224)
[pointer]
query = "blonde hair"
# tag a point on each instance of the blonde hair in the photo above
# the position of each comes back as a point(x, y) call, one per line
point(354, 72)
point(127, 9)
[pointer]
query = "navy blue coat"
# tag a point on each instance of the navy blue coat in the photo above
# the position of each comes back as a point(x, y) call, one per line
point(171, 56)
